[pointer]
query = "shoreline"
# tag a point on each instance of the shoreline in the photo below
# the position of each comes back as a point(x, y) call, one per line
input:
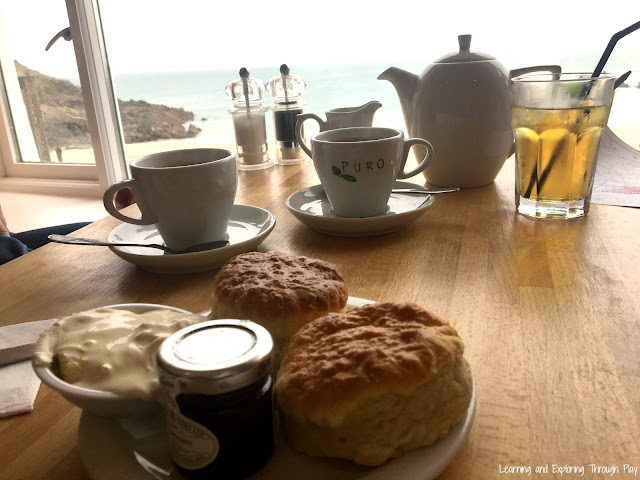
point(630, 135)
point(137, 150)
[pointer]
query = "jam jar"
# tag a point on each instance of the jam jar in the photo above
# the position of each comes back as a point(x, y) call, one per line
point(216, 386)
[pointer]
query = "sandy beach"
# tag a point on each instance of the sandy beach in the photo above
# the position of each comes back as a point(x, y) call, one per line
point(135, 150)
point(630, 135)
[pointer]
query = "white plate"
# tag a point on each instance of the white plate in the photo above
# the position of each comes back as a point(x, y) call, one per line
point(248, 227)
point(311, 206)
point(136, 449)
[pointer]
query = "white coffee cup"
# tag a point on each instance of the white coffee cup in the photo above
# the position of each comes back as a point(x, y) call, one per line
point(188, 194)
point(357, 167)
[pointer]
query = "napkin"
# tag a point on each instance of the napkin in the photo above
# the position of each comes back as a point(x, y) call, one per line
point(19, 384)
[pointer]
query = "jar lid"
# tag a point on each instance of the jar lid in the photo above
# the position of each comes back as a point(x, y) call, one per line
point(228, 354)
point(245, 91)
point(464, 55)
point(286, 88)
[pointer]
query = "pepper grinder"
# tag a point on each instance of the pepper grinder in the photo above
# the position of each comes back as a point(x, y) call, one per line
point(286, 91)
point(248, 122)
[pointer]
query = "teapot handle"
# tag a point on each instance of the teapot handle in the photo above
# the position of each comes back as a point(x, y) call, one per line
point(537, 68)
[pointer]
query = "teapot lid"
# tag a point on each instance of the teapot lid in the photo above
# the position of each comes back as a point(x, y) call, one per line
point(464, 55)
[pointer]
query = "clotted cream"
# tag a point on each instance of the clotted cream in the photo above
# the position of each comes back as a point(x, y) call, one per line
point(110, 350)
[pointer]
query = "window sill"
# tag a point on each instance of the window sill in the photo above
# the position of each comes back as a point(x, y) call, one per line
point(80, 188)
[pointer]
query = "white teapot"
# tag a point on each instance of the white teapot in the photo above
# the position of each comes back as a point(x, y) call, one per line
point(461, 103)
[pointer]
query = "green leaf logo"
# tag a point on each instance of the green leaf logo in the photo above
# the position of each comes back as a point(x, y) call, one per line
point(337, 172)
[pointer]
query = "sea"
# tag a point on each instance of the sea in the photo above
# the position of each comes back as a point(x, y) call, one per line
point(328, 86)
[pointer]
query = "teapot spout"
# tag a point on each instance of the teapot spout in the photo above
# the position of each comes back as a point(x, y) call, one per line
point(405, 84)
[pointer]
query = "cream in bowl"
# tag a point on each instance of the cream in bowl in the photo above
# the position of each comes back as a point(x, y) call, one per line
point(103, 360)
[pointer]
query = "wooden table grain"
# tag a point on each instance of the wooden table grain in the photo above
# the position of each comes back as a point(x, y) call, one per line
point(549, 312)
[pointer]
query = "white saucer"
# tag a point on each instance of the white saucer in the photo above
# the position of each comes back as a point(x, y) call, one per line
point(248, 227)
point(311, 206)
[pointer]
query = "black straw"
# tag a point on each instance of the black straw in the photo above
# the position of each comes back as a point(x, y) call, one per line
point(620, 80)
point(612, 43)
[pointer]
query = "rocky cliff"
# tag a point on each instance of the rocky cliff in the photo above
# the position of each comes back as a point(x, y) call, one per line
point(56, 106)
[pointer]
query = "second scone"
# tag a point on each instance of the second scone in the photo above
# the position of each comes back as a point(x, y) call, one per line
point(372, 383)
point(280, 291)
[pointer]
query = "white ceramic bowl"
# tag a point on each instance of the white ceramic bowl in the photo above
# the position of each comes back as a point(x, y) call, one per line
point(98, 402)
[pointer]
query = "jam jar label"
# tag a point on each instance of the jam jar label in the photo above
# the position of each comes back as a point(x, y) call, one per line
point(192, 446)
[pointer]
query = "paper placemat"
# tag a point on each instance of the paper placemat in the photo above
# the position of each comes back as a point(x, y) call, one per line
point(617, 180)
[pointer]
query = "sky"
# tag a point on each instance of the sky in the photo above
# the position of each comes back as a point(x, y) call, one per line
point(190, 35)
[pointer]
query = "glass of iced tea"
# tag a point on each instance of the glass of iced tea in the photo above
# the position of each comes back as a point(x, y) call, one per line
point(557, 120)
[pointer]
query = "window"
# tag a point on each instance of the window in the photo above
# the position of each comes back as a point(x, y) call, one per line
point(187, 52)
point(162, 84)
point(59, 120)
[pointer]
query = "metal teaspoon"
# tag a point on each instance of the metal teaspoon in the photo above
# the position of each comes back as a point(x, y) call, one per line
point(425, 192)
point(90, 241)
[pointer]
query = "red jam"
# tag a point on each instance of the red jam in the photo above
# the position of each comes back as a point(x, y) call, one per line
point(217, 394)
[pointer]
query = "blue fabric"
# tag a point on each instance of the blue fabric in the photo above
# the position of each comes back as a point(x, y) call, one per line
point(11, 248)
point(21, 243)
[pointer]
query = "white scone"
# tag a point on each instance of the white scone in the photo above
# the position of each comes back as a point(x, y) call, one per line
point(372, 383)
point(280, 291)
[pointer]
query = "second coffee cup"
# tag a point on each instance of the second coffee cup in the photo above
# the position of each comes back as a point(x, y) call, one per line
point(357, 167)
point(188, 194)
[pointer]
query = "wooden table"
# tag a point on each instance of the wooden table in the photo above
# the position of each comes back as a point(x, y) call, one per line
point(549, 311)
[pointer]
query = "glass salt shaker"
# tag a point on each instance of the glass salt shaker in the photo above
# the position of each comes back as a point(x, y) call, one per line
point(286, 91)
point(249, 122)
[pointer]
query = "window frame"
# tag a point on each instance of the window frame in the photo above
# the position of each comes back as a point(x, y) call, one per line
point(101, 110)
